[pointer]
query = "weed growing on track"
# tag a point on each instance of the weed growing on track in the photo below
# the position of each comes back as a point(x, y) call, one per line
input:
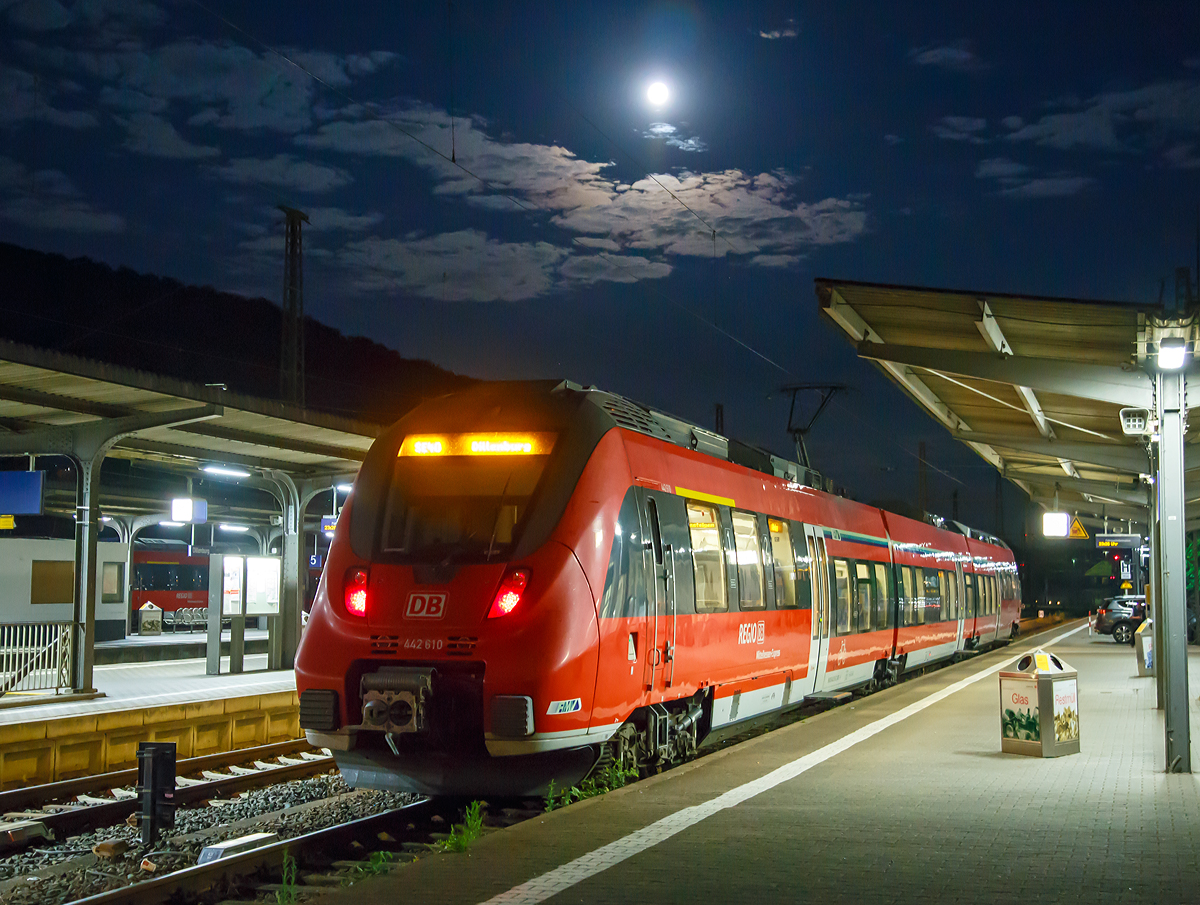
point(463, 834)
point(286, 894)
point(605, 781)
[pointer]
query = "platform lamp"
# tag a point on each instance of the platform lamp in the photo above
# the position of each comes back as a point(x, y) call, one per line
point(1056, 523)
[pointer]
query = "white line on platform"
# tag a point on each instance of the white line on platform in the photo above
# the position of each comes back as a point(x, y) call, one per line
point(561, 878)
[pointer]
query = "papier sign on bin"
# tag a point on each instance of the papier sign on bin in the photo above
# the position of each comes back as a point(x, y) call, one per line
point(1039, 707)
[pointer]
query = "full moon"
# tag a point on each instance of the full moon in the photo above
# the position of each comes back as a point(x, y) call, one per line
point(657, 94)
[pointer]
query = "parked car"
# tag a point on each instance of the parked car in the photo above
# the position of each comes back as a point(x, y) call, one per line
point(1121, 616)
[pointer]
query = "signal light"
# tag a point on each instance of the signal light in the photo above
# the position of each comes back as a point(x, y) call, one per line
point(509, 594)
point(356, 591)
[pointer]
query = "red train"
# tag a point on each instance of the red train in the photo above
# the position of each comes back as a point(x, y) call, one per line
point(530, 580)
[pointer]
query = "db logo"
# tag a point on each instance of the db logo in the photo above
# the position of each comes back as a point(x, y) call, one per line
point(425, 606)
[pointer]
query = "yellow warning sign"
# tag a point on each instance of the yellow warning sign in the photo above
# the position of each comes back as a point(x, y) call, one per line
point(1078, 532)
point(7, 522)
point(1126, 586)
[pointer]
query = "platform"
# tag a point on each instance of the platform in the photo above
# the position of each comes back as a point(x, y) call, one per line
point(172, 701)
point(171, 646)
point(903, 796)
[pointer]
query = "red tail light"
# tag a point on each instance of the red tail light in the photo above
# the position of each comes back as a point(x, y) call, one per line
point(356, 591)
point(508, 595)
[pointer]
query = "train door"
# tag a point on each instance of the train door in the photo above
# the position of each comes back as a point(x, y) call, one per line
point(960, 606)
point(659, 561)
point(819, 651)
point(969, 631)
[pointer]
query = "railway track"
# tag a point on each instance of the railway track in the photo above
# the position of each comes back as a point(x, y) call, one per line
point(67, 808)
point(337, 854)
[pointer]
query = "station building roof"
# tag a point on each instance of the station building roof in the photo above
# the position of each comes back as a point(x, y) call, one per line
point(966, 357)
point(41, 389)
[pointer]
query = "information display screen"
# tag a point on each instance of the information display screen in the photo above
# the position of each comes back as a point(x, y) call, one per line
point(263, 575)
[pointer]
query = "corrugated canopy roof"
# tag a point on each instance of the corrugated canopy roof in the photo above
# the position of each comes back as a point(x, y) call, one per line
point(42, 390)
point(951, 350)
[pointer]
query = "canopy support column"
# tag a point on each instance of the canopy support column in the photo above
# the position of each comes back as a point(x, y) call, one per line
point(1172, 410)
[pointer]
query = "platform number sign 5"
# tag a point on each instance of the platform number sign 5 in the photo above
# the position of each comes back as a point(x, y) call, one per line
point(423, 605)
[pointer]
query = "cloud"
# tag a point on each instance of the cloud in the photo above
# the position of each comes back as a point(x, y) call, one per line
point(1048, 187)
point(756, 214)
point(1012, 122)
point(593, 242)
point(1182, 157)
point(229, 86)
point(39, 15)
point(666, 133)
point(24, 97)
point(776, 260)
point(956, 57)
point(789, 30)
point(999, 168)
point(1119, 120)
point(961, 128)
point(155, 137)
point(454, 267)
point(47, 199)
point(335, 218)
point(1013, 180)
point(892, 139)
point(544, 176)
point(612, 268)
point(753, 214)
point(283, 171)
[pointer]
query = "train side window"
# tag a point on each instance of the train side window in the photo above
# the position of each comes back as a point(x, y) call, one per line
point(969, 592)
point(751, 582)
point(864, 587)
point(841, 580)
point(655, 531)
point(995, 595)
point(619, 596)
point(883, 597)
point(708, 559)
point(910, 596)
point(933, 595)
point(783, 561)
point(805, 569)
point(919, 596)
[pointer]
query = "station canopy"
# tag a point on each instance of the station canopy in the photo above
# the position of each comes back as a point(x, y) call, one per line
point(41, 391)
point(1034, 385)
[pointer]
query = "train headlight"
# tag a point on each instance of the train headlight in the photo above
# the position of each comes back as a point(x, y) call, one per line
point(509, 594)
point(356, 591)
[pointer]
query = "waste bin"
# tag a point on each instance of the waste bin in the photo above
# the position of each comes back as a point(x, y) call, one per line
point(1143, 645)
point(1039, 707)
point(149, 620)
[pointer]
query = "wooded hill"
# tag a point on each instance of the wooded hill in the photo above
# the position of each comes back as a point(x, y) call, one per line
point(81, 307)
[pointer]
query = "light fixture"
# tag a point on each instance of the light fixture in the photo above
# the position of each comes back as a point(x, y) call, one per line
point(106, 518)
point(1056, 524)
point(225, 471)
point(344, 488)
point(236, 528)
point(1171, 352)
point(170, 524)
point(186, 509)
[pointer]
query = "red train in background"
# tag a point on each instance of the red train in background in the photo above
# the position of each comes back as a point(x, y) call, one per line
point(168, 578)
point(530, 581)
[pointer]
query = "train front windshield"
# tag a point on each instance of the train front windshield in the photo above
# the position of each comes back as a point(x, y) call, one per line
point(460, 507)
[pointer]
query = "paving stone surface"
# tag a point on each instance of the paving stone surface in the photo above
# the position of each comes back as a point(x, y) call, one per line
point(927, 810)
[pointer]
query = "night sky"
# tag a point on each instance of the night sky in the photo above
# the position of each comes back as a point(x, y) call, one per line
point(1042, 148)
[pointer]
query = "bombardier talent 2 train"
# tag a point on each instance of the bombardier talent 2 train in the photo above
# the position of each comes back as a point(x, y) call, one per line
point(530, 581)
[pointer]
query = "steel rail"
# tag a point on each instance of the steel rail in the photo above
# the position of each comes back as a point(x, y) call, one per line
point(33, 796)
point(190, 882)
